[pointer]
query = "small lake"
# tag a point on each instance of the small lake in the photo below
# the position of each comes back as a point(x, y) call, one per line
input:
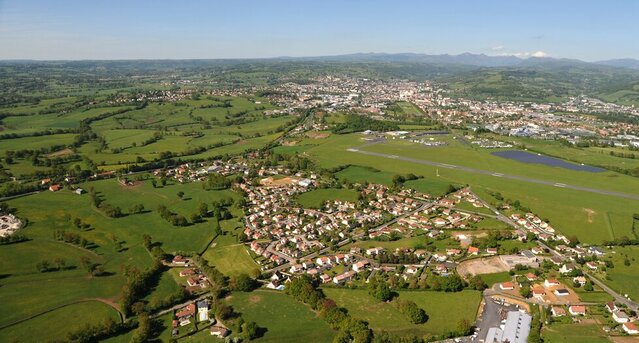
point(526, 157)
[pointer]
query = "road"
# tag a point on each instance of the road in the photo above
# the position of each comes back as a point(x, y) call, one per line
point(618, 297)
point(505, 176)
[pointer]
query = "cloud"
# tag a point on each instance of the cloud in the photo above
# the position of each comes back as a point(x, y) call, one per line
point(525, 54)
point(497, 48)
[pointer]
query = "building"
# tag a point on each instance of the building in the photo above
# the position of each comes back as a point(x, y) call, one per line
point(506, 286)
point(577, 310)
point(219, 331)
point(630, 328)
point(620, 317)
point(203, 310)
point(558, 311)
point(515, 330)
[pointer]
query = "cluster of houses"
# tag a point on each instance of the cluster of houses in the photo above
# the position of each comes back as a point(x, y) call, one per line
point(282, 231)
point(541, 229)
point(192, 172)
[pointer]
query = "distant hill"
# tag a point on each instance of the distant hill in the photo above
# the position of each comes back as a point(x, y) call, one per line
point(480, 60)
point(623, 63)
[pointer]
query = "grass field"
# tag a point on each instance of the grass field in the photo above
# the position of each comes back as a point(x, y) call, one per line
point(624, 278)
point(574, 333)
point(25, 291)
point(568, 210)
point(231, 259)
point(49, 325)
point(445, 310)
point(285, 319)
point(491, 279)
point(315, 198)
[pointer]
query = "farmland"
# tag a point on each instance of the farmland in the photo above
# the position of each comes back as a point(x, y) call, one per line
point(285, 319)
point(445, 310)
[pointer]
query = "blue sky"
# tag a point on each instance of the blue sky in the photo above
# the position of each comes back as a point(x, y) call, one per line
point(117, 29)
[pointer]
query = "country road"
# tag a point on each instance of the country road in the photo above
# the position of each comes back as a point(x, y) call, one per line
point(505, 176)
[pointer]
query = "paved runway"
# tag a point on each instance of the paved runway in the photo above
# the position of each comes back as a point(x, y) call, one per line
point(502, 175)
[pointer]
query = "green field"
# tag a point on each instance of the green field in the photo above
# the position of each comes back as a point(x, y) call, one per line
point(574, 333)
point(445, 310)
point(624, 278)
point(568, 210)
point(285, 319)
point(49, 325)
point(315, 198)
point(231, 259)
point(25, 291)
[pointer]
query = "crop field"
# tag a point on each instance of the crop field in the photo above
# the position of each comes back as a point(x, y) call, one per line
point(445, 310)
point(315, 198)
point(285, 319)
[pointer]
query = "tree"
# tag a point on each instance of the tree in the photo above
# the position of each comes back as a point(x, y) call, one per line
point(250, 330)
point(203, 209)
point(180, 194)
point(525, 292)
point(43, 266)
point(380, 290)
point(59, 262)
point(415, 314)
point(242, 282)
point(154, 183)
point(146, 240)
point(588, 286)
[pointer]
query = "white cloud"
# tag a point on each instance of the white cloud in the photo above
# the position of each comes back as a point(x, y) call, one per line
point(525, 54)
point(497, 48)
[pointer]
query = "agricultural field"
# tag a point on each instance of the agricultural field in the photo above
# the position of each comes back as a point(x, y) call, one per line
point(284, 318)
point(445, 310)
point(26, 291)
point(574, 333)
point(128, 135)
point(48, 325)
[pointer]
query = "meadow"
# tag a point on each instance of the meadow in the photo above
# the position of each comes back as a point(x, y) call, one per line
point(26, 291)
point(445, 310)
point(574, 333)
point(48, 325)
point(284, 318)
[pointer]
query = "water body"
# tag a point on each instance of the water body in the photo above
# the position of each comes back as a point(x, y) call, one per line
point(526, 157)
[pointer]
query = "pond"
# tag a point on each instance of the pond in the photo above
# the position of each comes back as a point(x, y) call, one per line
point(526, 157)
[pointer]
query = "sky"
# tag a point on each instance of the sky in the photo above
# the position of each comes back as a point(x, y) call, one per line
point(159, 29)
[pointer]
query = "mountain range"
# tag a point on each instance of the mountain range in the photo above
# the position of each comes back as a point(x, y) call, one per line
point(478, 60)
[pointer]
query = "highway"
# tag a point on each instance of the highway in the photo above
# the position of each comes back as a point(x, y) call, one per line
point(490, 173)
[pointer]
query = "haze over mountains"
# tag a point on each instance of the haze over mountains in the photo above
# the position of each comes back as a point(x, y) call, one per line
point(479, 60)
